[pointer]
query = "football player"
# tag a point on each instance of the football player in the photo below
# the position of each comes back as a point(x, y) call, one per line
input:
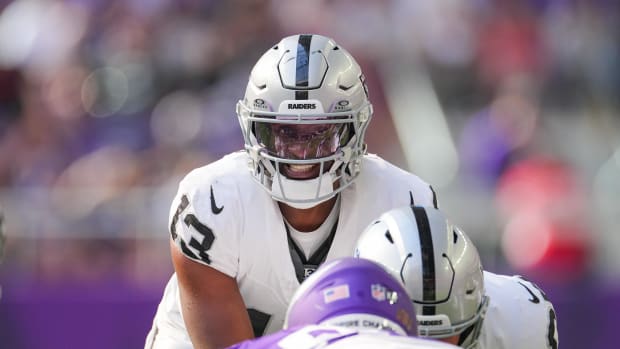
point(247, 229)
point(456, 301)
point(348, 303)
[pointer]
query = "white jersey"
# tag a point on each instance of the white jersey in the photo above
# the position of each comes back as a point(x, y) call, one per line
point(222, 218)
point(519, 315)
point(332, 337)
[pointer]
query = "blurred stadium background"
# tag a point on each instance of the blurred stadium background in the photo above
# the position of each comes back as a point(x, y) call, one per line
point(509, 108)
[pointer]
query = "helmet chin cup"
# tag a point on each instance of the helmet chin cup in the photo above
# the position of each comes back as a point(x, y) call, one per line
point(303, 194)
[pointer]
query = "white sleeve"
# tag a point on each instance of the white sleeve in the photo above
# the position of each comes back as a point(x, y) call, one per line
point(541, 317)
point(204, 222)
point(519, 315)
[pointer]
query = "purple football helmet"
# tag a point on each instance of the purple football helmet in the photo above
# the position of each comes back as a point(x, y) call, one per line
point(353, 292)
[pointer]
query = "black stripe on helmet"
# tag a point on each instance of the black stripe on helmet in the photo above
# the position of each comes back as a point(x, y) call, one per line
point(428, 257)
point(301, 95)
point(302, 66)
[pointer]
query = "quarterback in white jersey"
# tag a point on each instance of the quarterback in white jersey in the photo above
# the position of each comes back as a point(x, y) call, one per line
point(243, 240)
point(456, 301)
point(349, 303)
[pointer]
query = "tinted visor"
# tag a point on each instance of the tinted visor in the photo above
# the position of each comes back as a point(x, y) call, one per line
point(302, 141)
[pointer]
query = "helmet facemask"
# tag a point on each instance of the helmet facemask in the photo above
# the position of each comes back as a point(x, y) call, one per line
point(333, 141)
point(305, 138)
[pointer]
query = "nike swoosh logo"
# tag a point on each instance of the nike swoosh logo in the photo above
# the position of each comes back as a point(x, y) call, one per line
point(534, 299)
point(214, 207)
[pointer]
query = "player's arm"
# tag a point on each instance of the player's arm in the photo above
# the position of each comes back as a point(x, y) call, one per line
point(541, 318)
point(212, 307)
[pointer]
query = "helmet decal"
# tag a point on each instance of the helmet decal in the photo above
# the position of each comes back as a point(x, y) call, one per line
point(302, 63)
point(336, 293)
point(428, 258)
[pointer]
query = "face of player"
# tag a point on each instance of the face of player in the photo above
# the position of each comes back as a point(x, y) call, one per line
point(301, 142)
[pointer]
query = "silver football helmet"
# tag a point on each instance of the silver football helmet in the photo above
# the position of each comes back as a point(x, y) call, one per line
point(303, 118)
point(439, 266)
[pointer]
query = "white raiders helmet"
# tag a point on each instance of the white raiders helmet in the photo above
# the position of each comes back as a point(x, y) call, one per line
point(439, 266)
point(305, 108)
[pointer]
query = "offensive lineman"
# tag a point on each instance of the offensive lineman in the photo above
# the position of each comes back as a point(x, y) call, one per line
point(456, 301)
point(248, 228)
point(349, 303)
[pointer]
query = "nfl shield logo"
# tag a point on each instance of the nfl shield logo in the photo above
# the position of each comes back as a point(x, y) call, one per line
point(378, 292)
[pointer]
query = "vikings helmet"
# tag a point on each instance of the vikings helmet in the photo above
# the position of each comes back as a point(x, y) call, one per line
point(303, 118)
point(439, 266)
point(352, 292)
